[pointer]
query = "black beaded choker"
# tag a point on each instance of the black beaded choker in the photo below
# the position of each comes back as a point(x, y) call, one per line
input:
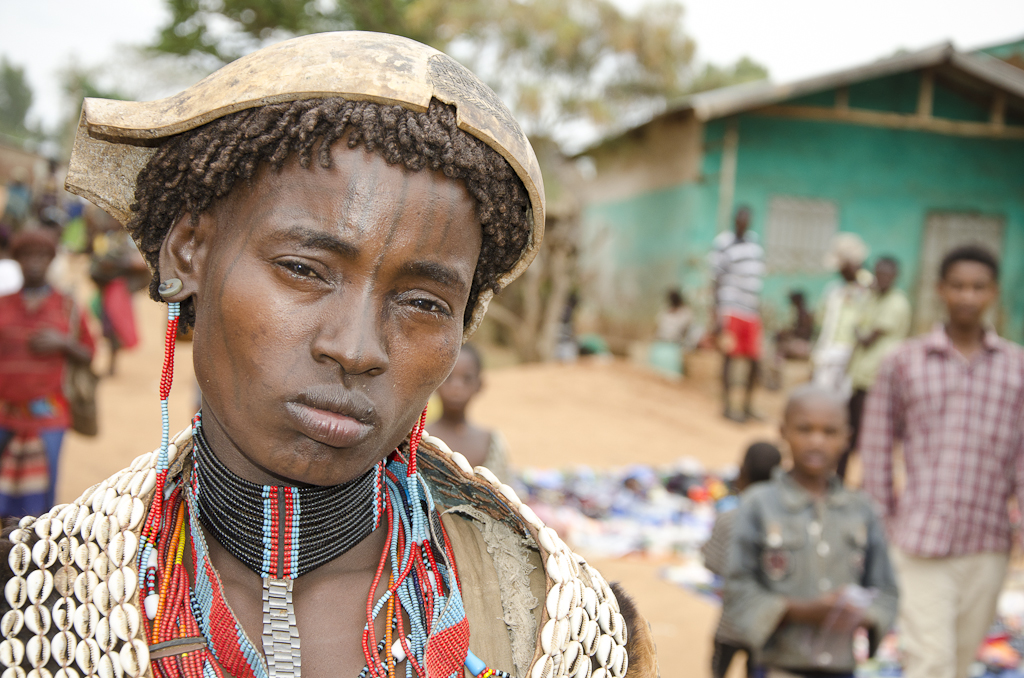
point(278, 531)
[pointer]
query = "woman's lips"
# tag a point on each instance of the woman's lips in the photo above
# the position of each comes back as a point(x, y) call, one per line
point(329, 428)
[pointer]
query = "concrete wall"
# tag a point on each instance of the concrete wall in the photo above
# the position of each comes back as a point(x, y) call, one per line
point(885, 182)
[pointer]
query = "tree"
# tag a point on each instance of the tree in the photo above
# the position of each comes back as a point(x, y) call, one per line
point(15, 100)
point(713, 77)
point(561, 65)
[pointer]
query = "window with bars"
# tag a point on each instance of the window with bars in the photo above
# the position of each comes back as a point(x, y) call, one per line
point(798, 234)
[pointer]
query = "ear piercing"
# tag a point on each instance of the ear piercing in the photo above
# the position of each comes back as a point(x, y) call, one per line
point(170, 287)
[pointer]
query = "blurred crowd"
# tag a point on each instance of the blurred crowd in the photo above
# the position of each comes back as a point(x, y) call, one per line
point(47, 383)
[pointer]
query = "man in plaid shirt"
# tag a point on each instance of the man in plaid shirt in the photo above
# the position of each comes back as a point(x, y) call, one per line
point(954, 398)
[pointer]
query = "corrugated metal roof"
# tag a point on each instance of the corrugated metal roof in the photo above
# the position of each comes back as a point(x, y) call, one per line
point(726, 101)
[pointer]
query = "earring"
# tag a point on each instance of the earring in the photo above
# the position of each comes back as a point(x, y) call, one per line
point(170, 287)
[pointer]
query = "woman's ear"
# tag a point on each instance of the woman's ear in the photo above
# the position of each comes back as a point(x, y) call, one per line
point(182, 254)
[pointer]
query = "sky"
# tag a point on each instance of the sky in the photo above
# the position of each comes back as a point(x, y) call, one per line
point(793, 38)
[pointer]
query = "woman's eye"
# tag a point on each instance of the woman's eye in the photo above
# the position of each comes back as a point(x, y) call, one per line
point(299, 269)
point(428, 306)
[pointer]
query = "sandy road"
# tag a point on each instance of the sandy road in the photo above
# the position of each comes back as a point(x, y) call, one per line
point(603, 414)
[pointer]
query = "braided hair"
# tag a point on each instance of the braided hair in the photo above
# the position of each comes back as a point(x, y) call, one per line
point(192, 170)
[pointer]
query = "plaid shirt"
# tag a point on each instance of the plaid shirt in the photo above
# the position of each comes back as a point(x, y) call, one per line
point(962, 427)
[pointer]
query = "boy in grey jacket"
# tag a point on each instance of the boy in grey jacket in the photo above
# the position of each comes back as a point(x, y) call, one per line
point(808, 563)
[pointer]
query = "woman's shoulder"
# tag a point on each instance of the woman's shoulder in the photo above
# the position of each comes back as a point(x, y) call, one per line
point(572, 614)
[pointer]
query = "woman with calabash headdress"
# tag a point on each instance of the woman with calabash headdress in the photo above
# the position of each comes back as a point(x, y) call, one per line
point(332, 215)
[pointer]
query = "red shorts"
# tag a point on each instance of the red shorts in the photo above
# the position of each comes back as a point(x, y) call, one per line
point(744, 335)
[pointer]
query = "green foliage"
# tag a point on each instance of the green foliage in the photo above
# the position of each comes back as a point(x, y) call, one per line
point(15, 100)
point(713, 77)
point(556, 62)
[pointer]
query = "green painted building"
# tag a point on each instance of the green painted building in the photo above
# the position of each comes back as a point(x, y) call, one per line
point(915, 153)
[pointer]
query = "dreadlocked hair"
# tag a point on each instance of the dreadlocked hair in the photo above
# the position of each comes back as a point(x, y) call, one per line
point(192, 170)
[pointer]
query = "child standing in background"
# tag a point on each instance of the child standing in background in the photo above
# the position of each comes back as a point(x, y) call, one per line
point(480, 446)
point(758, 463)
point(808, 562)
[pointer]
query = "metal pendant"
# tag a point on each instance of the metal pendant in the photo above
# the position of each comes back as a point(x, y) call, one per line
point(280, 634)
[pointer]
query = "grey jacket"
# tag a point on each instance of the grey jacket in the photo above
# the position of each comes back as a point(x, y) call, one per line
point(786, 545)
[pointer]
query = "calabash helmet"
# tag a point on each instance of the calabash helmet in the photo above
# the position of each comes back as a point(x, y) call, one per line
point(116, 139)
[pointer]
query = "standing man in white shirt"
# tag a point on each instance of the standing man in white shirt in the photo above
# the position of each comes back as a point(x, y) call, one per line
point(737, 262)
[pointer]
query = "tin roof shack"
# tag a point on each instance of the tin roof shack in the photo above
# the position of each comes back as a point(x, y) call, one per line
point(916, 153)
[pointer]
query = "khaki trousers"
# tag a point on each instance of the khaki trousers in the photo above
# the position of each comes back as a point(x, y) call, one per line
point(946, 607)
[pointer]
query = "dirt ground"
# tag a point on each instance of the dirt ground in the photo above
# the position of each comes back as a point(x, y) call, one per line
point(598, 413)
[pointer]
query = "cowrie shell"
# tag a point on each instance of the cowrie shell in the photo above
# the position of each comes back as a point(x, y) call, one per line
point(575, 660)
point(109, 666)
point(184, 435)
point(85, 499)
point(583, 667)
point(46, 527)
point(136, 516)
point(102, 529)
point(172, 452)
point(548, 539)
point(530, 517)
point(617, 624)
point(16, 591)
point(74, 520)
point(64, 581)
point(547, 635)
point(599, 673)
point(589, 636)
point(618, 662)
point(589, 602)
point(604, 615)
point(66, 550)
point(510, 494)
point(11, 623)
point(13, 672)
point(543, 668)
point(604, 650)
point(19, 558)
point(147, 485)
point(551, 603)
point(105, 637)
point(20, 535)
point(124, 621)
point(44, 553)
point(40, 672)
point(110, 498)
point(62, 647)
point(102, 565)
point(122, 547)
point(438, 443)
point(37, 651)
point(487, 475)
point(554, 569)
point(87, 524)
point(64, 613)
point(40, 585)
point(12, 651)
point(565, 600)
point(101, 598)
point(37, 619)
point(27, 521)
point(88, 656)
point(463, 463)
point(122, 584)
point(85, 586)
point(87, 618)
point(66, 672)
point(85, 555)
point(577, 620)
point(135, 658)
point(125, 511)
point(122, 483)
point(561, 636)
